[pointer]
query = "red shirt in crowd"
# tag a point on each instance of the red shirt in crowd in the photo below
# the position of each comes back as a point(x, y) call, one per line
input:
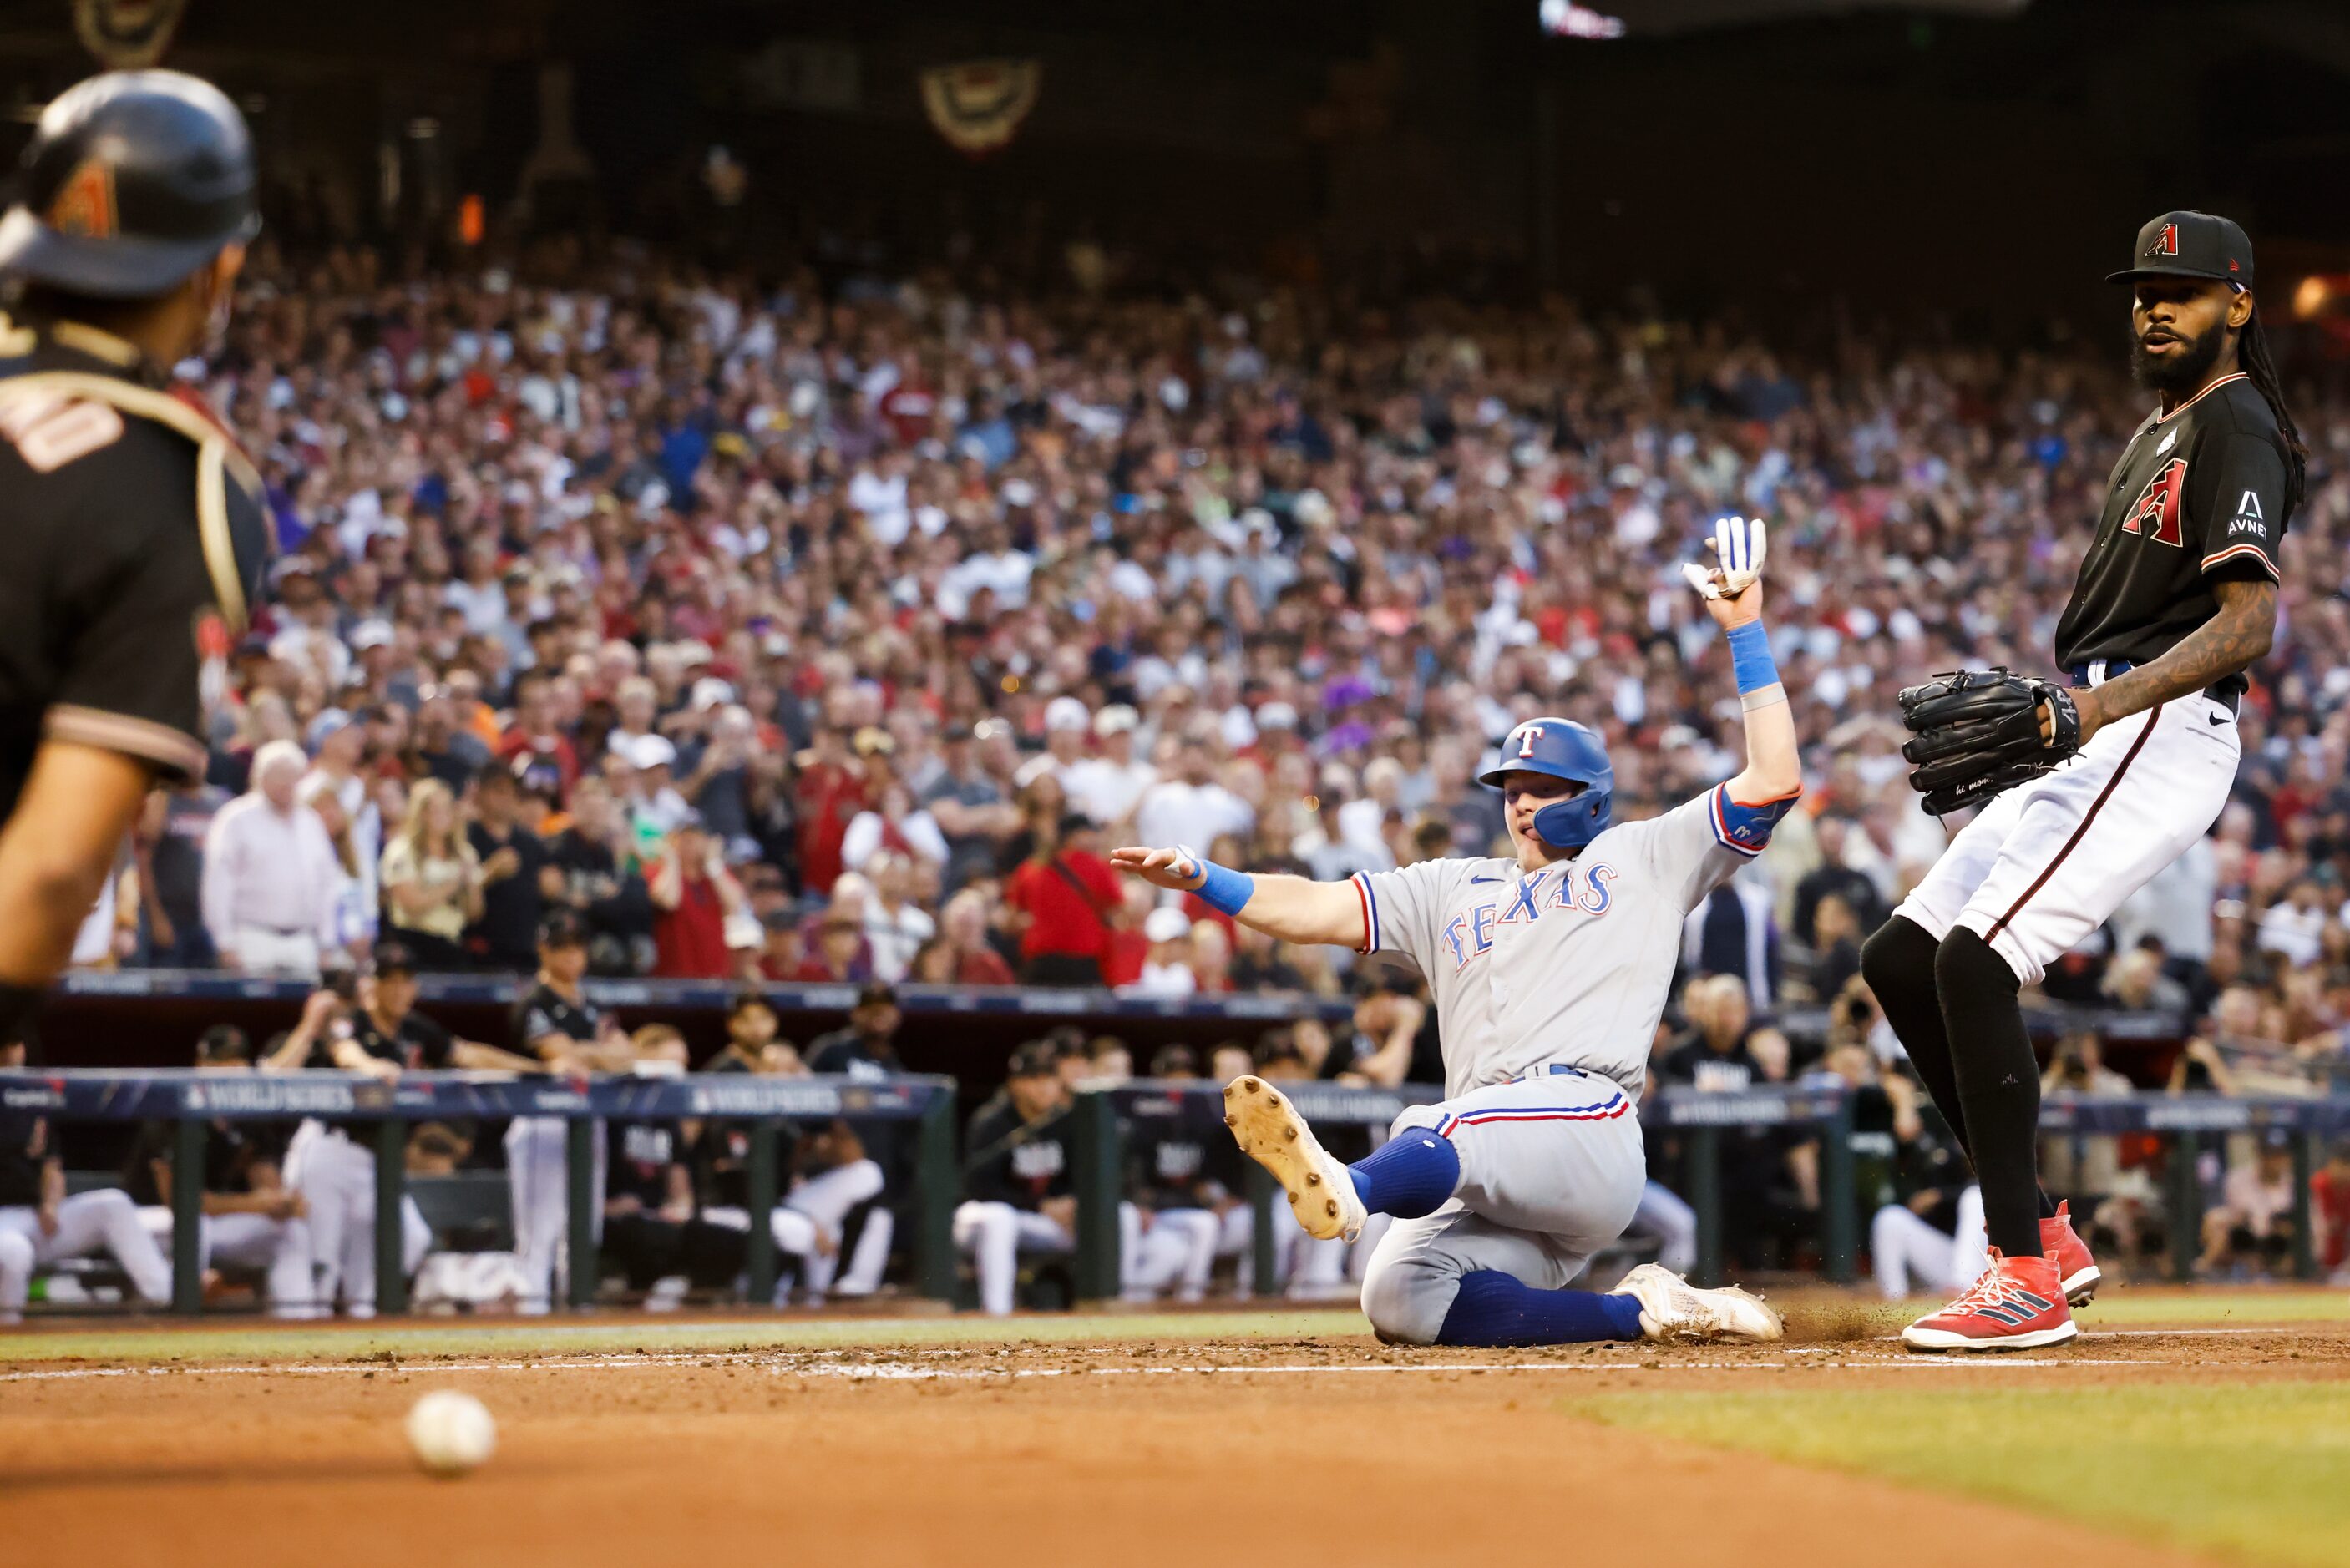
point(1123, 954)
point(1062, 919)
point(829, 795)
point(982, 966)
point(689, 941)
point(2330, 1199)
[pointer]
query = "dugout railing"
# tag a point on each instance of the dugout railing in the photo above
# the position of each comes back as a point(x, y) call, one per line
point(382, 1114)
point(1697, 1121)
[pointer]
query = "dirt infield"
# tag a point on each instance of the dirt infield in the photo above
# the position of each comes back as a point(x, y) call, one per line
point(1323, 1451)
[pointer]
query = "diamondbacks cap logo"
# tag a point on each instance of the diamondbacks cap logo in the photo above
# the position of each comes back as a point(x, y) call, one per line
point(2158, 504)
point(84, 206)
point(2166, 244)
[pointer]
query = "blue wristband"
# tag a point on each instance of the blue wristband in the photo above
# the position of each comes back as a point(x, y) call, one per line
point(1224, 890)
point(1749, 658)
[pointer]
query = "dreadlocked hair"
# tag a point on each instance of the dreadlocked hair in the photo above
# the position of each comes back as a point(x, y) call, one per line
point(2253, 350)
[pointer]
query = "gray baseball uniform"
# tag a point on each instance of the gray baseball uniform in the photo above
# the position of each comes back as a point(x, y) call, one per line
point(1548, 987)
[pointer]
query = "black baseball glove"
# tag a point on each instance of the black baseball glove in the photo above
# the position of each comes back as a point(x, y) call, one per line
point(1977, 732)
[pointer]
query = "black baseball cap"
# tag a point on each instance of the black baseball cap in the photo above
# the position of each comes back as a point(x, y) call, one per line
point(394, 957)
point(563, 929)
point(1034, 1059)
point(877, 994)
point(2192, 244)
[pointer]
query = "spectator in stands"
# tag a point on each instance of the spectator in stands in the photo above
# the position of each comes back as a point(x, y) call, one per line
point(1063, 896)
point(1107, 785)
point(270, 874)
point(837, 952)
point(894, 824)
point(969, 808)
point(2251, 1225)
point(354, 900)
point(1166, 971)
point(1189, 806)
point(693, 895)
point(2329, 1212)
point(1017, 1195)
point(1833, 878)
point(515, 870)
point(250, 1218)
point(168, 847)
point(961, 953)
point(2134, 980)
point(432, 879)
point(596, 860)
point(1711, 1054)
point(41, 1225)
point(895, 926)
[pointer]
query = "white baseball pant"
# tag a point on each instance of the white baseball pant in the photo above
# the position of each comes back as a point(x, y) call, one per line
point(2046, 862)
point(1671, 1222)
point(795, 1234)
point(281, 1248)
point(1552, 1168)
point(336, 1176)
point(538, 1185)
point(827, 1199)
point(260, 950)
point(1913, 1258)
point(995, 1235)
point(87, 1221)
point(1304, 1269)
point(1169, 1249)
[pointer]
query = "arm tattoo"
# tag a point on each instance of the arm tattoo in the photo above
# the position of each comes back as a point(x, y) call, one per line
point(2232, 640)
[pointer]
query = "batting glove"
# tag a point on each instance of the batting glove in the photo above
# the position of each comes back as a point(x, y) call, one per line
point(1743, 543)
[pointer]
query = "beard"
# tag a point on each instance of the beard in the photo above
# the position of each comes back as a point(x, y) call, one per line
point(2183, 368)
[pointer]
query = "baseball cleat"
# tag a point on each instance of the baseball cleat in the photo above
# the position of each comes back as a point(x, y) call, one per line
point(2079, 1273)
point(2018, 1303)
point(1672, 1308)
point(1270, 1131)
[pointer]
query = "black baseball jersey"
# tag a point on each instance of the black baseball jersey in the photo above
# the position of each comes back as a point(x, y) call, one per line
point(417, 1043)
point(135, 541)
point(2198, 496)
point(640, 1155)
point(1017, 1162)
point(721, 1153)
point(1172, 1167)
point(230, 1151)
point(888, 1144)
point(27, 1142)
point(544, 1011)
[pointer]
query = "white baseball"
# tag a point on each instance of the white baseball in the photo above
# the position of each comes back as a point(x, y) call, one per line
point(451, 1432)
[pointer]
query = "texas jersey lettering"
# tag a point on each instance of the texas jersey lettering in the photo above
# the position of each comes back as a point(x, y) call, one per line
point(1571, 963)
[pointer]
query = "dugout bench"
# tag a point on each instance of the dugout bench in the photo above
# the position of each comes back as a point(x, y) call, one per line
point(384, 1112)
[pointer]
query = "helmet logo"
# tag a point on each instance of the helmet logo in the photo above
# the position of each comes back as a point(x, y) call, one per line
point(1526, 739)
point(85, 202)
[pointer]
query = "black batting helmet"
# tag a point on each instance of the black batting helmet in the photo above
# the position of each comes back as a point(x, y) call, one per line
point(132, 180)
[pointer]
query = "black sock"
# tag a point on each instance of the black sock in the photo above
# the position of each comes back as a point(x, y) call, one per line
point(1899, 963)
point(1998, 1084)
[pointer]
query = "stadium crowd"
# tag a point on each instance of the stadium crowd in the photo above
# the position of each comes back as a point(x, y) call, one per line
point(832, 630)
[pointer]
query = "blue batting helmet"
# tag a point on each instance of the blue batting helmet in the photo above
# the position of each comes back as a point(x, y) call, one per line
point(1564, 750)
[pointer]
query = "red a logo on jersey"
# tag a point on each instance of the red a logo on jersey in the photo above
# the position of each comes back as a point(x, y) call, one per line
point(2158, 504)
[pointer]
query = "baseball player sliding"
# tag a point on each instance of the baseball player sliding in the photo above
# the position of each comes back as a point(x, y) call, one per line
point(1550, 971)
point(2092, 790)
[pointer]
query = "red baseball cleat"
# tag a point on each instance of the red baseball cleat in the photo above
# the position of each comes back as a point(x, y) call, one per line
point(2017, 1304)
point(2075, 1268)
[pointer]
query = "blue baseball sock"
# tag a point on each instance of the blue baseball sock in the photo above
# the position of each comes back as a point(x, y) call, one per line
point(1494, 1308)
point(1410, 1175)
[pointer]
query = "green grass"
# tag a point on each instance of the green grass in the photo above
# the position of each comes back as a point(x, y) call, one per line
point(2257, 1470)
point(258, 1340)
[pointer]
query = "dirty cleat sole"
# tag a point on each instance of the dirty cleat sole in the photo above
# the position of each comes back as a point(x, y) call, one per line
point(1270, 1131)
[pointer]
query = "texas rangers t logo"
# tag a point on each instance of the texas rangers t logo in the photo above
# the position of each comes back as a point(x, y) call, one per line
point(2158, 504)
point(1526, 739)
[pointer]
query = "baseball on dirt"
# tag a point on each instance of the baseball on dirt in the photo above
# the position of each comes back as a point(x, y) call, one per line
point(451, 1432)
